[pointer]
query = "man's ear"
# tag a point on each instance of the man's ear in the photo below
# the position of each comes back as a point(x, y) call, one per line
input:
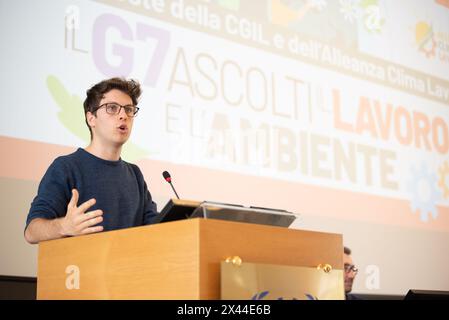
point(91, 119)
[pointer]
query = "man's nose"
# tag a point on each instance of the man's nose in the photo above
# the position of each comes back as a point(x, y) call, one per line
point(351, 275)
point(122, 114)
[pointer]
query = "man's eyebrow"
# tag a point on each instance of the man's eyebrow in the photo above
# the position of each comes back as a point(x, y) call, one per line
point(123, 105)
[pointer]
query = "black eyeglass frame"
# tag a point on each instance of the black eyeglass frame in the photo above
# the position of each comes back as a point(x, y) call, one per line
point(132, 114)
point(350, 267)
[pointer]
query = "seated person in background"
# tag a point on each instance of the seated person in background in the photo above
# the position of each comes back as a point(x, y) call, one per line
point(350, 271)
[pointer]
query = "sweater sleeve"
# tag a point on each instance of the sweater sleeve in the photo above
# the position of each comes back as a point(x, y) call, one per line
point(53, 194)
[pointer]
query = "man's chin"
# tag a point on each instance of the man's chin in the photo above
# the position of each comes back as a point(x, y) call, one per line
point(121, 140)
point(119, 143)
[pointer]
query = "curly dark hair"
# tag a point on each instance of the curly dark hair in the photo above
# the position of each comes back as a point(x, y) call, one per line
point(96, 93)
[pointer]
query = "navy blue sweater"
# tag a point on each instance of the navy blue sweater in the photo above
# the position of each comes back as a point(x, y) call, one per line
point(118, 187)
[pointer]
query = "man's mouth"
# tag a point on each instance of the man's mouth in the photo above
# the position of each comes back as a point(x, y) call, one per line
point(123, 128)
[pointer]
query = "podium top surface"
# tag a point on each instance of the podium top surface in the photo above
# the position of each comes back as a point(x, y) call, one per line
point(178, 209)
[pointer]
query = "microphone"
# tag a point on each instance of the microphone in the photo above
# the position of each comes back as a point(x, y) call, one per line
point(167, 178)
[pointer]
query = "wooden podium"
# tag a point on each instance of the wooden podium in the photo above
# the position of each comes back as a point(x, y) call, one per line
point(173, 260)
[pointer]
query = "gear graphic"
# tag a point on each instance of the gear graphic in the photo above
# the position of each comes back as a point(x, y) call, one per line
point(423, 192)
point(443, 172)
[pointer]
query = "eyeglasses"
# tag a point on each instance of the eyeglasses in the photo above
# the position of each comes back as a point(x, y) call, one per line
point(350, 267)
point(115, 108)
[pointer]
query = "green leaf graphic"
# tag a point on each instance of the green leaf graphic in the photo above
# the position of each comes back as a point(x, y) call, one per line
point(71, 113)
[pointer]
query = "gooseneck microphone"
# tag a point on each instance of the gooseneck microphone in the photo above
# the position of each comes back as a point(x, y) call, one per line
point(167, 178)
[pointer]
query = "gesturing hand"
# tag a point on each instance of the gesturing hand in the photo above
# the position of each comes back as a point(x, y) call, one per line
point(77, 221)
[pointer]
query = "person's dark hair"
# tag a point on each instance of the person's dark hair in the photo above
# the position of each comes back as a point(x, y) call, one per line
point(96, 93)
point(347, 250)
